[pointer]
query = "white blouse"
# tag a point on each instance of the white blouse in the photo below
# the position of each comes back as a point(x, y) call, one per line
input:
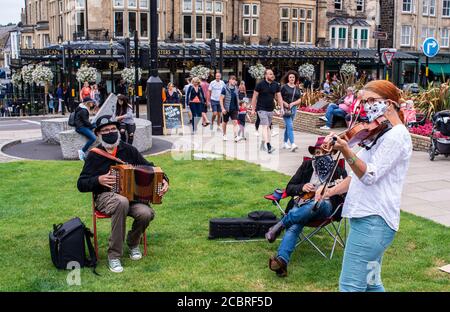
point(379, 191)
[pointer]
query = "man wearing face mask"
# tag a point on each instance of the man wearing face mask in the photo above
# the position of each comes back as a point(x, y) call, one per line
point(305, 180)
point(96, 178)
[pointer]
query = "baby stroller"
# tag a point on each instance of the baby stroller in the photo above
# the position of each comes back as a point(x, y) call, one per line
point(441, 127)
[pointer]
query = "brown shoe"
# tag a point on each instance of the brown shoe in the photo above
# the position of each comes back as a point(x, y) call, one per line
point(278, 265)
point(274, 232)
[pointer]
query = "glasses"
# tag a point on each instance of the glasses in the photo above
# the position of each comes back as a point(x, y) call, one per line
point(371, 100)
point(106, 131)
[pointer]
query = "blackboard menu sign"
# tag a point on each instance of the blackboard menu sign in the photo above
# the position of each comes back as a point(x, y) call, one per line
point(173, 116)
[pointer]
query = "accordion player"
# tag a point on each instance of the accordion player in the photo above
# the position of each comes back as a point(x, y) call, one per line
point(141, 184)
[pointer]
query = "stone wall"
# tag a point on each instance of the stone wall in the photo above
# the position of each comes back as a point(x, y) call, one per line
point(420, 143)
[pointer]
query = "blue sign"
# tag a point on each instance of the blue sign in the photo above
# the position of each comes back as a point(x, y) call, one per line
point(430, 47)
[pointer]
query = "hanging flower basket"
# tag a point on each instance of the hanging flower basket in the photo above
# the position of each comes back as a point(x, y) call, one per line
point(257, 71)
point(306, 71)
point(42, 75)
point(87, 74)
point(200, 71)
point(16, 79)
point(128, 74)
point(27, 73)
point(348, 69)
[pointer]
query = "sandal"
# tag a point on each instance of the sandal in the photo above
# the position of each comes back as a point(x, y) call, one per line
point(278, 266)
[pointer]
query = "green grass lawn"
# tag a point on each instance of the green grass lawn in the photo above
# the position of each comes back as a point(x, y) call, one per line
point(35, 195)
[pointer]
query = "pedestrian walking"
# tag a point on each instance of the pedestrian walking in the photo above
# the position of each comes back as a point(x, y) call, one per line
point(196, 100)
point(229, 99)
point(83, 126)
point(215, 88)
point(291, 95)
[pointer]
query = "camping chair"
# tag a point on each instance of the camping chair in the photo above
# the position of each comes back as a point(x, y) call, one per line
point(318, 225)
point(98, 215)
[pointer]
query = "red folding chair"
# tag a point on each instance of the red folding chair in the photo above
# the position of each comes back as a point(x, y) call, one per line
point(98, 215)
point(319, 224)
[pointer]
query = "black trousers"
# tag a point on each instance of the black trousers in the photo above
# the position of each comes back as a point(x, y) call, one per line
point(127, 131)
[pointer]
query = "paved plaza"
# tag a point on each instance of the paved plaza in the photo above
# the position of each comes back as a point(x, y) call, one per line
point(426, 192)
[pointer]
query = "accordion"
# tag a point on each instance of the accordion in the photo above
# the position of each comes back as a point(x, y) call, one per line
point(138, 183)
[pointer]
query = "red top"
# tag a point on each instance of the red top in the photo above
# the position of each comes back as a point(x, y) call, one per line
point(85, 92)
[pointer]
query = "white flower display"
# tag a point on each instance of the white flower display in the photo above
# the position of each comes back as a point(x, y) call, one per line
point(128, 74)
point(200, 71)
point(257, 71)
point(306, 70)
point(16, 79)
point(87, 74)
point(27, 73)
point(348, 69)
point(42, 75)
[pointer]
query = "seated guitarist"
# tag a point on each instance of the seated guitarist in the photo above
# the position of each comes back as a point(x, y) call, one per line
point(96, 178)
point(301, 186)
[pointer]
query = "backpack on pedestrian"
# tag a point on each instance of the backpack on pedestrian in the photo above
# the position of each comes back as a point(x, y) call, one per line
point(68, 245)
point(72, 116)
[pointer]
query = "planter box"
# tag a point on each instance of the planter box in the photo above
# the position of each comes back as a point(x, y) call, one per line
point(420, 143)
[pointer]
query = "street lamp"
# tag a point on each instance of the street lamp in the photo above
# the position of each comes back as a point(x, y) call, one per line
point(111, 65)
point(136, 72)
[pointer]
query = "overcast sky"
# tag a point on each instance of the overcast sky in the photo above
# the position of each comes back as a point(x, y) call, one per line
point(10, 11)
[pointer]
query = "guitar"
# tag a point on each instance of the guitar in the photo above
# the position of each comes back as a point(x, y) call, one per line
point(306, 197)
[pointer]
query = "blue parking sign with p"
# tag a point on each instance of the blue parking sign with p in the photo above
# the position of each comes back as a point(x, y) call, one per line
point(430, 47)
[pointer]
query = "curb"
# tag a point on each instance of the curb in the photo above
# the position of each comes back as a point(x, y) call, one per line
point(8, 144)
point(34, 117)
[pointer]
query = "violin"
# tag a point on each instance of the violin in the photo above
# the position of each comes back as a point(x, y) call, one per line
point(359, 133)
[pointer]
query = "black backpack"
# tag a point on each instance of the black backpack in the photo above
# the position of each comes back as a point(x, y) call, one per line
point(72, 119)
point(67, 244)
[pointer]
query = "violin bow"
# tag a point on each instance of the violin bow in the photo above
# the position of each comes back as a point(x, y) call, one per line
point(328, 181)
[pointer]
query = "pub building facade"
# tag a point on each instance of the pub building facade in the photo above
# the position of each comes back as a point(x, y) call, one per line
point(280, 34)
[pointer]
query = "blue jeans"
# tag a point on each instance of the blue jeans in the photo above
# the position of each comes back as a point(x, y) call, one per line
point(294, 222)
point(367, 241)
point(89, 135)
point(196, 110)
point(289, 126)
point(333, 110)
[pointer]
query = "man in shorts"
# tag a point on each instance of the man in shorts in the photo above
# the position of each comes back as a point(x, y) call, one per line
point(215, 89)
point(229, 100)
point(263, 103)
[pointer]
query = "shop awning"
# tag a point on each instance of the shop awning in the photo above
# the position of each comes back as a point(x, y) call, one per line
point(439, 68)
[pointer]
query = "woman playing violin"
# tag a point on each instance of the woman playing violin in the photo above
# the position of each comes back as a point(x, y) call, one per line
point(373, 190)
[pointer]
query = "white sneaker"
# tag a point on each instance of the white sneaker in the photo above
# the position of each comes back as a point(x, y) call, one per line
point(81, 155)
point(325, 128)
point(286, 145)
point(237, 139)
point(135, 253)
point(225, 138)
point(115, 266)
point(323, 118)
point(293, 147)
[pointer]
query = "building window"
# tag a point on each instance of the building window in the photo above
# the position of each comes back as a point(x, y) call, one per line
point(338, 4)
point(254, 27)
point(432, 7)
point(199, 27)
point(131, 23)
point(302, 14)
point(308, 33)
point(360, 5)
point(284, 12)
point(246, 27)
point(294, 13)
point(338, 37)
point(187, 5)
point(294, 32)
point(144, 25)
point(405, 37)
point(407, 6)
point(219, 7)
point(284, 31)
point(444, 38)
point(309, 14)
point(132, 3)
point(118, 24)
point(246, 10)
point(118, 3)
point(208, 27)
point(446, 8)
point(143, 4)
point(187, 27)
point(80, 23)
point(425, 10)
point(360, 38)
point(79, 4)
point(45, 40)
point(208, 6)
point(199, 6)
point(302, 32)
point(255, 10)
point(218, 26)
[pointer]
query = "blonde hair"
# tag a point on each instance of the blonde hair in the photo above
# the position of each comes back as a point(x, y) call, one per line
point(196, 80)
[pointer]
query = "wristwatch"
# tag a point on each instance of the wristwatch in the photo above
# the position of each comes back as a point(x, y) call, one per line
point(352, 160)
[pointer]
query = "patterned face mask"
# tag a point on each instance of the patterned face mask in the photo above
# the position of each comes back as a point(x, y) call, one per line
point(375, 109)
point(323, 166)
